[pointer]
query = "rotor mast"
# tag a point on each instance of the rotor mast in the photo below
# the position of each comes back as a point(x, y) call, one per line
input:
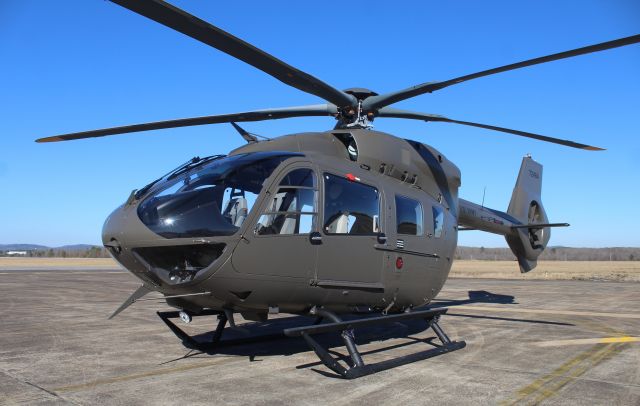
point(355, 116)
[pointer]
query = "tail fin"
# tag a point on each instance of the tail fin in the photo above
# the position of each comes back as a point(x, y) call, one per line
point(526, 206)
point(524, 225)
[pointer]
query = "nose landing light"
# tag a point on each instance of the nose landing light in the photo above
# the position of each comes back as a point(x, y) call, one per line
point(114, 246)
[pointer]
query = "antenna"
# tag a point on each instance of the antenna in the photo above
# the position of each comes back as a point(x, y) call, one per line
point(484, 192)
point(249, 137)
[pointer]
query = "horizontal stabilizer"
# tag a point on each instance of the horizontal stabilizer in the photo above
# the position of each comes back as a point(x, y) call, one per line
point(541, 225)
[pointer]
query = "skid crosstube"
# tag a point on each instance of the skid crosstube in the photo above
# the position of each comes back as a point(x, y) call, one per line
point(358, 367)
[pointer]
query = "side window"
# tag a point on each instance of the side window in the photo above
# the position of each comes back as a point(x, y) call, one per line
point(350, 207)
point(293, 208)
point(438, 221)
point(408, 216)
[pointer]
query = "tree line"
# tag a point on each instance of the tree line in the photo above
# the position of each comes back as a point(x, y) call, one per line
point(553, 254)
point(92, 252)
point(462, 253)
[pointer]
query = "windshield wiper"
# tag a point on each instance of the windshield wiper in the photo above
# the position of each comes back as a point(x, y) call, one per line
point(194, 162)
point(190, 164)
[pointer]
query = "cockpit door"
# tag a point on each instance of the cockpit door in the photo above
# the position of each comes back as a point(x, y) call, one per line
point(279, 243)
point(351, 224)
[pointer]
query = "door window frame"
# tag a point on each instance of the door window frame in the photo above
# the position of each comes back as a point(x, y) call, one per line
point(438, 232)
point(422, 216)
point(321, 221)
point(272, 190)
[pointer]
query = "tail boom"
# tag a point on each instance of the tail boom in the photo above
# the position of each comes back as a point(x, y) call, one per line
point(472, 216)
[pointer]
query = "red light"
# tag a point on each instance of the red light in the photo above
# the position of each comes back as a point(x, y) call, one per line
point(399, 263)
point(351, 177)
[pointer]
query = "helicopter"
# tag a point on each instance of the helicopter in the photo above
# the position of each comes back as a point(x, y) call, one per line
point(349, 221)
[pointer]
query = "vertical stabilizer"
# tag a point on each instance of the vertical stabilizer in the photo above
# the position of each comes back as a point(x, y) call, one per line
point(526, 207)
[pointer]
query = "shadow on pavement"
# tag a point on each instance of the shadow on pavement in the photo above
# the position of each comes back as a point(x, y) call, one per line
point(266, 338)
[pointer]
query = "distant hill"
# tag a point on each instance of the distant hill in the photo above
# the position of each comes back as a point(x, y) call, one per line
point(31, 247)
point(22, 247)
point(76, 247)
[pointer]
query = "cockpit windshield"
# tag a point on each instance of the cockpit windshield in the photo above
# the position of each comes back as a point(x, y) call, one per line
point(213, 199)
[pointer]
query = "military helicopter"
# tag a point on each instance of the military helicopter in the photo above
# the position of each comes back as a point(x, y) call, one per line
point(346, 221)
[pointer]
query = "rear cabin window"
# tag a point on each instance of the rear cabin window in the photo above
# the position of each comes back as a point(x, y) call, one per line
point(293, 208)
point(408, 216)
point(350, 207)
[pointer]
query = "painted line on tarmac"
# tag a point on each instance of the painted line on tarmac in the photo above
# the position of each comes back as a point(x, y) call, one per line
point(581, 341)
point(140, 375)
point(548, 385)
point(545, 311)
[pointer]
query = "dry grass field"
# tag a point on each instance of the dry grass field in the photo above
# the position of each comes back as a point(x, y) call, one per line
point(57, 263)
point(549, 270)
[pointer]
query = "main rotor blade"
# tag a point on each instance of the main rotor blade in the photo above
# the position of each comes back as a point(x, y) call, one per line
point(396, 113)
point(178, 19)
point(259, 115)
point(386, 99)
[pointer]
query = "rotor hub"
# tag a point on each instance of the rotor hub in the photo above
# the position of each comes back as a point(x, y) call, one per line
point(355, 116)
point(360, 93)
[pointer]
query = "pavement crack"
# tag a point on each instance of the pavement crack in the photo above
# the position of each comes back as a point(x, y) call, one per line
point(35, 386)
point(43, 389)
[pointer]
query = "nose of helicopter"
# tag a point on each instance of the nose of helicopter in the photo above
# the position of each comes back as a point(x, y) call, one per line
point(117, 233)
point(162, 262)
point(122, 233)
point(111, 230)
point(123, 228)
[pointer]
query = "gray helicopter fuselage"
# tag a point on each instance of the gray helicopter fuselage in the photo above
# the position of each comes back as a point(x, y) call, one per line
point(372, 225)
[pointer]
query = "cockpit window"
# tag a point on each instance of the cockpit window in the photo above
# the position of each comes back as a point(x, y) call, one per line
point(293, 207)
point(299, 177)
point(211, 200)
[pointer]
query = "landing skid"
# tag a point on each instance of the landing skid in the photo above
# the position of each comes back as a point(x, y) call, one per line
point(357, 367)
point(216, 341)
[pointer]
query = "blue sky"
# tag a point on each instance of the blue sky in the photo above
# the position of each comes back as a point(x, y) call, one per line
point(77, 65)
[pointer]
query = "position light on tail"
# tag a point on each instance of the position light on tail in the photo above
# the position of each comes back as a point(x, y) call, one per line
point(525, 225)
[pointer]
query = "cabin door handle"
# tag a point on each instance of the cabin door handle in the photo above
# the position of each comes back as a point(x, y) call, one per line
point(315, 238)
